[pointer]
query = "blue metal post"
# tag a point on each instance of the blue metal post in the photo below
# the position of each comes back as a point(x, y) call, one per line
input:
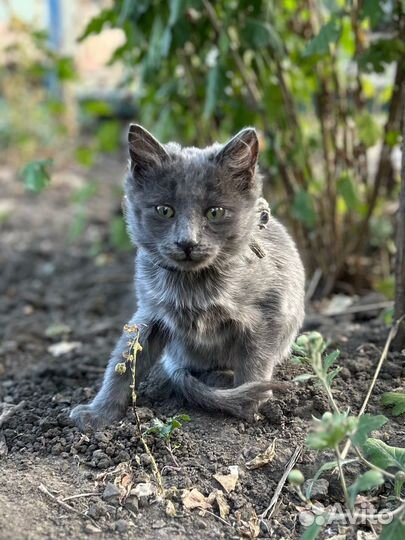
point(55, 39)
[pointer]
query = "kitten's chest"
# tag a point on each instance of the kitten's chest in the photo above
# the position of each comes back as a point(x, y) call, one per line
point(204, 312)
point(200, 315)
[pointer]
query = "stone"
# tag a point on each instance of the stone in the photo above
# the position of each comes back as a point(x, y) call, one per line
point(319, 489)
point(111, 493)
point(121, 526)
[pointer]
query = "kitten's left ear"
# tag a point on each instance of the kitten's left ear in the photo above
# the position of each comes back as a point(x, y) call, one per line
point(239, 156)
point(145, 151)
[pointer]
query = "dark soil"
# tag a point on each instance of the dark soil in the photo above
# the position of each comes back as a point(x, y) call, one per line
point(47, 282)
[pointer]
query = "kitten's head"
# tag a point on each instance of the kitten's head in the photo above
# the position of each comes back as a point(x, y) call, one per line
point(190, 208)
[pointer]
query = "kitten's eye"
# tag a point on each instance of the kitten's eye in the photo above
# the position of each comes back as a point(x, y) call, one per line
point(164, 211)
point(215, 213)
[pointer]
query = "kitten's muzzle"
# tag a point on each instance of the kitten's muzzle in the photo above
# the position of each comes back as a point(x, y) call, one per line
point(189, 252)
point(187, 246)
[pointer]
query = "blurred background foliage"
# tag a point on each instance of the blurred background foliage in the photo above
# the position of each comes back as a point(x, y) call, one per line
point(320, 80)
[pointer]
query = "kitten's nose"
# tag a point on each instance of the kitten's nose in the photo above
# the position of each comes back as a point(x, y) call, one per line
point(187, 246)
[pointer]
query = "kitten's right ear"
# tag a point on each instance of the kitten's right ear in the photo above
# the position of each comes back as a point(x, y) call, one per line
point(145, 151)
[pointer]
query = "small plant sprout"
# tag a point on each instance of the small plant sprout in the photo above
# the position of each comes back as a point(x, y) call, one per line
point(338, 429)
point(129, 361)
point(165, 430)
point(309, 349)
point(396, 400)
point(296, 478)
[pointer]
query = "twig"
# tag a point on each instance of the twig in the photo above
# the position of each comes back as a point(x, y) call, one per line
point(43, 489)
point(218, 518)
point(383, 356)
point(293, 460)
point(79, 495)
point(360, 309)
point(6, 415)
point(313, 284)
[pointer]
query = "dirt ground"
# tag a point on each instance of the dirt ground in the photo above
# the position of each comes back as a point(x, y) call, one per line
point(53, 291)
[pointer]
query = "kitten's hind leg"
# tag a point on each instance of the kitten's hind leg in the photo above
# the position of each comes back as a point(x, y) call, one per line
point(112, 399)
point(216, 379)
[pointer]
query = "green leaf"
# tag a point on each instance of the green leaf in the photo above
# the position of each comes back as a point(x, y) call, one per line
point(347, 38)
point(397, 400)
point(176, 10)
point(329, 33)
point(183, 417)
point(165, 429)
point(366, 424)
point(399, 483)
point(260, 34)
point(365, 482)
point(97, 108)
point(330, 359)
point(380, 53)
point(36, 175)
point(392, 138)
point(388, 316)
point(213, 91)
point(78, 225)
point(108, 136)
point(332, 374)
point(384, 456)
point(368, 130)
point(85, 156)
point(97, 23)
point(347, 189)
point(332, 429)
point(394, 530)
point(166, 42)
point(84, 194)
point(303, 209)
point(65, 68)
point(373, 9)
point(118, 234)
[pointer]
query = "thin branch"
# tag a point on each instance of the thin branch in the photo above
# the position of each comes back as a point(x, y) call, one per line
point(43, 489)
point(391, 336)
point(290, 465)
point(399, 310)
point(79, 496)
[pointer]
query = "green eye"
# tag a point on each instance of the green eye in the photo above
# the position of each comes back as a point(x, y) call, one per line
point(164, 211)
point(216, 213)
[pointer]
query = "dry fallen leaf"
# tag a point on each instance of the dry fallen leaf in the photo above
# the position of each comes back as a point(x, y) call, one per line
point(170, 509)
point(195, 499)
point(223, 506)
point(251, 528)
point(263, 458)
point(228, 481)
point(63, 347)
point(125, 482)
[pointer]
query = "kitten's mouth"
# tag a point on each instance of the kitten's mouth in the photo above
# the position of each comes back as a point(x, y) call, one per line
point(189, 262)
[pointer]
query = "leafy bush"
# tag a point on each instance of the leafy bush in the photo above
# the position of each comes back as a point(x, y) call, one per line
point(304, 73)
point(341, 433)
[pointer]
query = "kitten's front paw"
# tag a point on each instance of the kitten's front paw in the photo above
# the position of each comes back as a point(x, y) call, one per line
point(90, 417)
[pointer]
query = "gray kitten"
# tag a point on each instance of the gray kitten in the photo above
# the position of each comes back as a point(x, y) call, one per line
point(215, 314)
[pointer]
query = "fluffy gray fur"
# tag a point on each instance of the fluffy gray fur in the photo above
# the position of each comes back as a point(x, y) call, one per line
point(212, 312)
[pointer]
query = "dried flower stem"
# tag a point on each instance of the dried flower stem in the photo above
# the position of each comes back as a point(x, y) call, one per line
point(134, 347)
